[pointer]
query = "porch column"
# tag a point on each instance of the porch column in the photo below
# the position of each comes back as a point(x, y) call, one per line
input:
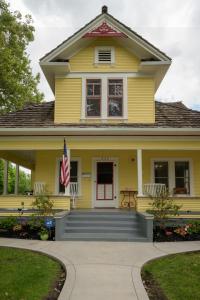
point(139, 172)
point(5, 178)
point(17, 179)
point(67, 189)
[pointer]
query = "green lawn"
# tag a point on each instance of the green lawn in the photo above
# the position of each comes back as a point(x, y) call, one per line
point(26, 275)
point(177, 275)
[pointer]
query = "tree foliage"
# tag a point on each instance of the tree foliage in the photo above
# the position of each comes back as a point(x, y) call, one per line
point(17, 84)
point(24, 179)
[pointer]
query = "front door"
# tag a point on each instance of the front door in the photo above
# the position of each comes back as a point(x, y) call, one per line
point(105, 174)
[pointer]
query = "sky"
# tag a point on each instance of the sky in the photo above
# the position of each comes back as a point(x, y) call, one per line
point(171, 25)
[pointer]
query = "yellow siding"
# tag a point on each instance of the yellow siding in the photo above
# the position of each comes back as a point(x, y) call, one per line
point(89, 143)
point(14, 202)
point(187, 204)
point(83, 61)
point(68, 100)
point(46, 168)
point(141, 105)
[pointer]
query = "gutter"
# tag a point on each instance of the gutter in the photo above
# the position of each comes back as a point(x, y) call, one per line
point(106, 131)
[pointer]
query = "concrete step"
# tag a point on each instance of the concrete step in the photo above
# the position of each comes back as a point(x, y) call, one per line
point(118, 237)
point(102, 229)
point(103, 212)
point(101, 217)
point(102, 225)
point(106, 223)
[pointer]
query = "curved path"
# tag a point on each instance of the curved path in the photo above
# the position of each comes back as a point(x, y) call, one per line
point(103, 270)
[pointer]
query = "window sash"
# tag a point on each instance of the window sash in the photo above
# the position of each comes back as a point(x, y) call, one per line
point(93, 99)
point(182, 183)
point(162, 179)
point(115, 99)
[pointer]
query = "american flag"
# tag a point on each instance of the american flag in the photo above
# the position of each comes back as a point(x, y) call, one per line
point(65, 168)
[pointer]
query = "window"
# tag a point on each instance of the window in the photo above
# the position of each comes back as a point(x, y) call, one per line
point(104, 97)
point(104, 55)
point(175, 174)
point(93, 97)
point(182, 177)
point(115, 97)
point(161, 172)
point(73, 174)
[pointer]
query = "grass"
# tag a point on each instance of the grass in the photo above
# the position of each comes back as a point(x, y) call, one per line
point(176, 275)
point(26, 275)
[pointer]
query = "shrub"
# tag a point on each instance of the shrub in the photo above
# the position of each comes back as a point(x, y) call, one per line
point(163, 206)
point(8, 223)
point(194, 227)
point(44, 205)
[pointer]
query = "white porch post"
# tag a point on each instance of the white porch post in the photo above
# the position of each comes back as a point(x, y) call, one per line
point(5, 178)
point(17, 179)
point(67, 189)
point(139, 172)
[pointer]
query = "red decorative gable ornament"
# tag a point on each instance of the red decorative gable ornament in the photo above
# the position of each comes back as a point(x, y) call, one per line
point(104, 30)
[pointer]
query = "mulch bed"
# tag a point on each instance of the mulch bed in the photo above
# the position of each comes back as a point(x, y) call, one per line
point(57, 286)
point(26, 233)
point(153, 289)
point(161, 235)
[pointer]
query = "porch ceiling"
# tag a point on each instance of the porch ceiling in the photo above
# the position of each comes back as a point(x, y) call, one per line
point(24, 158)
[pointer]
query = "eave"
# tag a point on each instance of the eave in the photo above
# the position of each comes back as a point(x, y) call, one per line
point(108, 131)
point(52, 69)
point(158, 69)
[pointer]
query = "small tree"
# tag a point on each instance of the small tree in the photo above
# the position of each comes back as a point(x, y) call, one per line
point(163, 206)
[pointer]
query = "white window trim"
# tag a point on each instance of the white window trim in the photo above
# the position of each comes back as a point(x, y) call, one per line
point(96, 56)
point(59, 159)
point(104, 97)
point(171, 174)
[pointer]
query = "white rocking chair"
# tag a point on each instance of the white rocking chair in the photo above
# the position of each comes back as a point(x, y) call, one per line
point(39, 188)
point(154, 189)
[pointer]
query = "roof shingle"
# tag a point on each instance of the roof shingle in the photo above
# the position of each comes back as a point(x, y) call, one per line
point(168, 115)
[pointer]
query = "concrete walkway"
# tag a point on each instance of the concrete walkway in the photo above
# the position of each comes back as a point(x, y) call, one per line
point(103, 270)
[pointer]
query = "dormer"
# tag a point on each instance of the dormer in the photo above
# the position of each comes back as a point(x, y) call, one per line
point(105, 72)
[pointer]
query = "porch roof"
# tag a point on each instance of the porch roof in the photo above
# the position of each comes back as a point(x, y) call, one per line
point(171, 115)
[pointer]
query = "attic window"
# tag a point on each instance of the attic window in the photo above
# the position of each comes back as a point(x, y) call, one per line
point(104, 55)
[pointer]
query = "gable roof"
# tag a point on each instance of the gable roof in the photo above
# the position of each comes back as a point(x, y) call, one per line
point(168, 115)
point(111, 18)
point(152, 60)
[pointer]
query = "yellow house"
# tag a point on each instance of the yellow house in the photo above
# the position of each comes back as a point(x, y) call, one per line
point(120, 141)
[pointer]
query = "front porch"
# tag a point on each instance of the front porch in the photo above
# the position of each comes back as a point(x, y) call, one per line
point(126, 169)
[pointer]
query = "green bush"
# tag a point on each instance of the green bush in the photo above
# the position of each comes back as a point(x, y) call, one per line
point(35, 222)
point(162, 207)
point(8, 223)
point(44, 205)
point(194, 227)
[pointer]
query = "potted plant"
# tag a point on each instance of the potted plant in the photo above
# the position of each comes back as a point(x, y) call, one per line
point(44, 235)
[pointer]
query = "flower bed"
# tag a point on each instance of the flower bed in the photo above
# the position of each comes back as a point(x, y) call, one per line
point(187, 232)
point(27, 228)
